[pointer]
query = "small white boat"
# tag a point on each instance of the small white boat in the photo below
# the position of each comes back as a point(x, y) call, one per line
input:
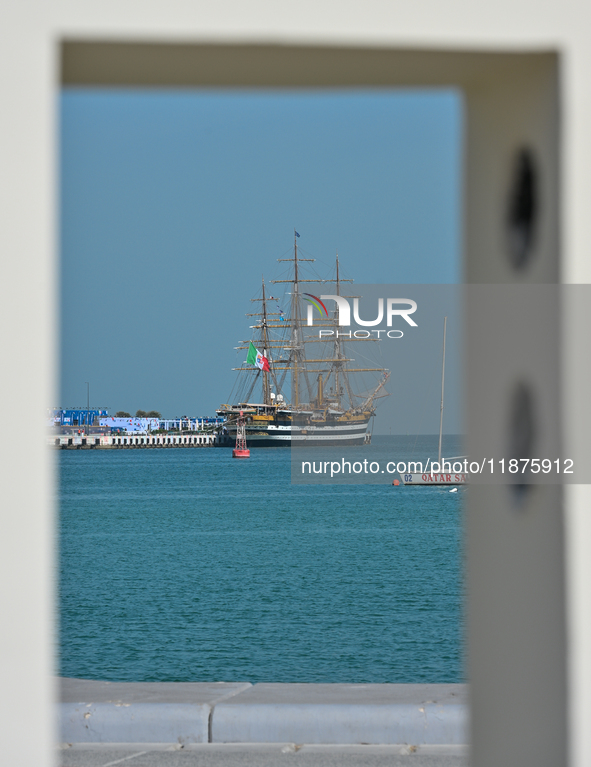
point(450, 471)
point(434, 478)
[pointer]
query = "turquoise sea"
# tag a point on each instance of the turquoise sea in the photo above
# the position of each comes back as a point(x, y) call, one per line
point(187, 565)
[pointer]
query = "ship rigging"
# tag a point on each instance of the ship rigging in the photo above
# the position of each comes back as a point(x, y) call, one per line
point(306, 395)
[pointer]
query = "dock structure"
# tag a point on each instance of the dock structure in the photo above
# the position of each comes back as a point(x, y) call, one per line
point(134, 441)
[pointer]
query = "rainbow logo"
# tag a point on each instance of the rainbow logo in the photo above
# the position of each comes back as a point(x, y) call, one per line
point(317, 303)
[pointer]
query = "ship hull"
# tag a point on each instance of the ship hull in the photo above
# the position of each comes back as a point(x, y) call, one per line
point(288, 434)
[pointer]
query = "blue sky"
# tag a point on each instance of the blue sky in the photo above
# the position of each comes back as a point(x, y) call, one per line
point(173, 204)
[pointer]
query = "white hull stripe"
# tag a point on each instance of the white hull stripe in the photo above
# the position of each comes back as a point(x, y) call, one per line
point(252, 438)
point(434, 479)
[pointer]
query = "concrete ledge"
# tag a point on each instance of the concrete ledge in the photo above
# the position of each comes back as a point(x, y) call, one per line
point(139, 712)
point(185, 713)
point(344, 713)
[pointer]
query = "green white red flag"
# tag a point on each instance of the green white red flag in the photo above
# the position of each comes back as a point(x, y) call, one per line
point(256, 358)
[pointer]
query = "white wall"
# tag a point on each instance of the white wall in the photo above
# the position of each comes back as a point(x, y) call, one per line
point(30, 35)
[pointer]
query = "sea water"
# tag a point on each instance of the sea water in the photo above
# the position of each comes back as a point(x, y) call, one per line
point(188, 565)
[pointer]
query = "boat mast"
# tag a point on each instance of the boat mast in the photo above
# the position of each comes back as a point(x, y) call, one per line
point(442, 387)
point(295, 327)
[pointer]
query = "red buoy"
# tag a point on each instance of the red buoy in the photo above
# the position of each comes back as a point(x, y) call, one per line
point(241, 451)
point(396, 482)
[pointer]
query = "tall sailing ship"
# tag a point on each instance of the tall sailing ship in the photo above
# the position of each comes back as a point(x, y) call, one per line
point(305, 386)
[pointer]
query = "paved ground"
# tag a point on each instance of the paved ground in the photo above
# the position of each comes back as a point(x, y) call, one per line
point(259, 755)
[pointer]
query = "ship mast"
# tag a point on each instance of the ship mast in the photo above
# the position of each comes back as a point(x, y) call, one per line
point(265, 340)
point(339, 358)
point(267, 343)
point(297, 360)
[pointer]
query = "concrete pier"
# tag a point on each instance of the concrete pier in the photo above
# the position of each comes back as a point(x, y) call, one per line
point(134, 441)
point(409, 715)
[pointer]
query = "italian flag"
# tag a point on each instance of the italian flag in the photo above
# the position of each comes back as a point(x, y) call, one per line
point(256, 358)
